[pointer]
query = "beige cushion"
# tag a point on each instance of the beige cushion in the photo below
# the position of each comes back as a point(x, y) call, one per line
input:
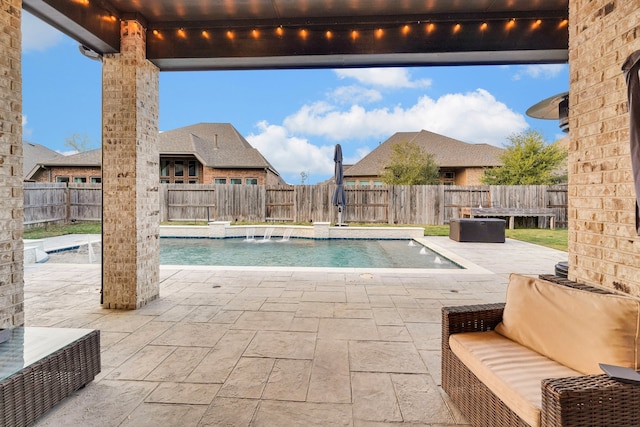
point(512, 372)
point(576, 328)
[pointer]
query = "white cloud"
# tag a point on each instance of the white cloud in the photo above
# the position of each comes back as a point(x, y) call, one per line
point(539, 71)
point(475, 117)
point(289, 154)
point(383, 77)
point(355, 94)
point(26, 132)
point(38, 35)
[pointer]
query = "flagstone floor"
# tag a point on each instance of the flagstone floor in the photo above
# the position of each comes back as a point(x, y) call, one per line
point(261, 347)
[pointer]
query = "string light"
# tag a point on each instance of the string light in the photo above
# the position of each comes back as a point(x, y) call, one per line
point(354, 34)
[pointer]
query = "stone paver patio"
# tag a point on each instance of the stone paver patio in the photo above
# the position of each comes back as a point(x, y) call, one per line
point(242, 347)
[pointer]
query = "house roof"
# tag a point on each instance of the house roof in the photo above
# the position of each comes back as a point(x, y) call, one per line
point(447, 152)
point(215, 145)
point(34, 154)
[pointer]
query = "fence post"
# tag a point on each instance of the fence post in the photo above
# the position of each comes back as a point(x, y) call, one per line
point(67, 196)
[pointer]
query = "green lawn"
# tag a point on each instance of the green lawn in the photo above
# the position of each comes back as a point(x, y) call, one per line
point(556, 239)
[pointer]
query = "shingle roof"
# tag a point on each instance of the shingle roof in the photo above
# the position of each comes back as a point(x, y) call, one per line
point(34, 154)
point(447, 152)
point(85, 158)
point(217, 145)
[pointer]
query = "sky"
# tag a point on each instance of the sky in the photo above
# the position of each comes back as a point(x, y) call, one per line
point(293, 117)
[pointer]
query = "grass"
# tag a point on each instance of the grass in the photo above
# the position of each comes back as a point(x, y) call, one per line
point(61, 230)
point(556, 239)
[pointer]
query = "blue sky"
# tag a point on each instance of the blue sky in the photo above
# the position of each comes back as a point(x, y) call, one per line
point(294, 117)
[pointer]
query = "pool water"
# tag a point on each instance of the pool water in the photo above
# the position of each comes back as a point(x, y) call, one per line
point(301, 253)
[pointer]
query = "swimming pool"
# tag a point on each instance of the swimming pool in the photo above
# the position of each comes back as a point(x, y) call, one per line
point(301, 253)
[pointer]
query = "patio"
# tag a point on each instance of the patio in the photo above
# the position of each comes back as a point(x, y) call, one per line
point(272, 347)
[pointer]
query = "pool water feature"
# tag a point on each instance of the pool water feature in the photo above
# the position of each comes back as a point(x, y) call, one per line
point(295, 252)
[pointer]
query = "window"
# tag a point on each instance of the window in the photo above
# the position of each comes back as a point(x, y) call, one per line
point(377, 182)
point(179, 181)
point(178, 168)
point(164, 181)
point(193, 168)
point(350, 182)
point(193, 181)
point(79, 179)
point(251, 181)
point(164, 168)
point(96, 180)
point(220, 181)
point(449, 175)
point(236, 180)
point(62, 179)
point(363, 183)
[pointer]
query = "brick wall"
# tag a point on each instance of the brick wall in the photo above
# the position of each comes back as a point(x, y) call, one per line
point(131, 219)
point(51, 174)
point(11, 193)
point(603, 246)
point(211, 174)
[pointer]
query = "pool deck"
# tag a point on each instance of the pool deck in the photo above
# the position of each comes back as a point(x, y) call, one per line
point(273, 347)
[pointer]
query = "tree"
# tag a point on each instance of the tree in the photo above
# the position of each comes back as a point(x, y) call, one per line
point(303, 177)
point(409, 165)
point(528, 160)
point(79, 142)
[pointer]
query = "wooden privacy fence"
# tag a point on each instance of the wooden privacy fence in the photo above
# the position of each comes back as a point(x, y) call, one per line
point(61, 203)
point(418, 204)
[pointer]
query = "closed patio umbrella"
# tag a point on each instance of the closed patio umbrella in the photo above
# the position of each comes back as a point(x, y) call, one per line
point(339, 196)
point(631, 68)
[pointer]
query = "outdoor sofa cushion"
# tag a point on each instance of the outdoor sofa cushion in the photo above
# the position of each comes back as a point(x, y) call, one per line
point(511, 371)
point(576, 328)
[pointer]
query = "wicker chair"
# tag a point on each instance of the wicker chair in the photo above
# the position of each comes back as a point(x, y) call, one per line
point(590, 400)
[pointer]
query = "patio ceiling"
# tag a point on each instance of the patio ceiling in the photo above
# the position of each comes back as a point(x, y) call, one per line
point(256, 34)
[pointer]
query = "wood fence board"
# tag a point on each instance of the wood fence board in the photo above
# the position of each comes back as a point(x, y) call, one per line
point(420, 204)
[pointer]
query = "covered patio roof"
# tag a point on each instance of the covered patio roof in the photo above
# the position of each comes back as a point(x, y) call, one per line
point(257, 34)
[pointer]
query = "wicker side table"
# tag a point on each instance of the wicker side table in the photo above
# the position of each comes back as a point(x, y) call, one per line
point(39, 367)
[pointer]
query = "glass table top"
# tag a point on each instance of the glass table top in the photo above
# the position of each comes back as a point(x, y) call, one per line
point(27, 345)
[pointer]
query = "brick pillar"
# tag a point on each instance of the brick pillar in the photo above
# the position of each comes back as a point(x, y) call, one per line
point(130, 177)
point(603, 246)
point(11, 192)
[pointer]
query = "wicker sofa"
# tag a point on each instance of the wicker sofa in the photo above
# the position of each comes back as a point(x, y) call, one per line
point(533, 361)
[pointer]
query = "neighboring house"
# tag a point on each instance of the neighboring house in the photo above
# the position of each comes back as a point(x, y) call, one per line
point(33, 154)
point(460, 163)
point(204, 153)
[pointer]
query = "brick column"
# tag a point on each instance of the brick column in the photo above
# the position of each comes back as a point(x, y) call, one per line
point(130, 177)
point(11, 192)
point(603, 246)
